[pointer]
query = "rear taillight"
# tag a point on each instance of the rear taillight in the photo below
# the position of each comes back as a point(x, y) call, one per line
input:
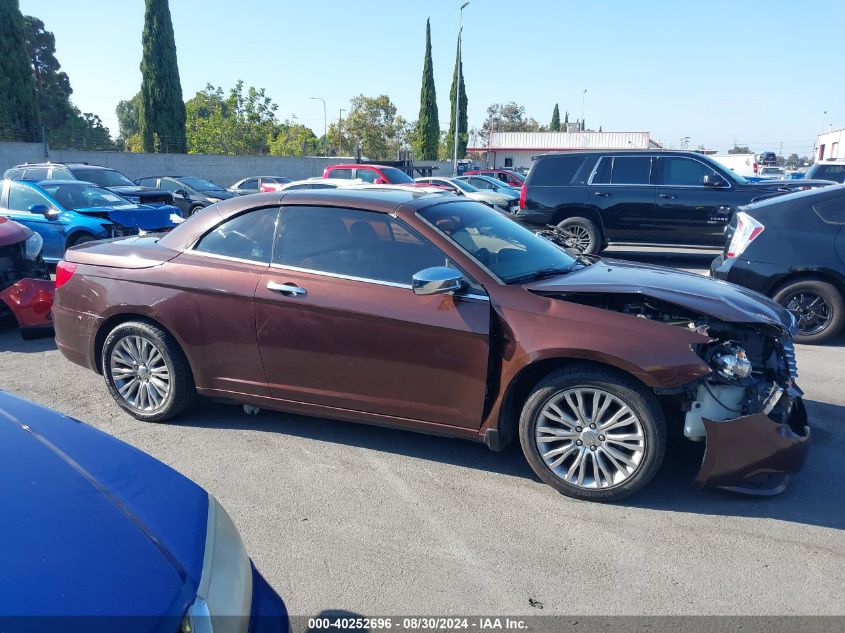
point(522, 193)
point(64, 271)
point(747, 230)
point(755, 168)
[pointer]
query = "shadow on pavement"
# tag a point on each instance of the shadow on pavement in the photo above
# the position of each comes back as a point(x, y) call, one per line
point(12, 341)
point(815, 496)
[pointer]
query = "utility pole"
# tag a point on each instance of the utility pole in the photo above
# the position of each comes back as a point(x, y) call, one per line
point(458, 91)
point(340, 131)
point(583, 96)
point(325, 128)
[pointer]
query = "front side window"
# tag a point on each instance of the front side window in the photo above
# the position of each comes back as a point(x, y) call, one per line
point(247, 236)
point(396, 176)
point(21, 198)
point(512, 252)
point(170, 185)
point(148, 182)
point(684, 172)
point(367, 175)
point(249, 184)
point(830, 172)
point(360, 244)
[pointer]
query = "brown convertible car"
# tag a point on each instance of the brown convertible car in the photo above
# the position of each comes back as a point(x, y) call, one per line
point(440, 315)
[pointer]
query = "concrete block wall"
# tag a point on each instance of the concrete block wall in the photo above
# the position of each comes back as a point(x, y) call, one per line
point(224, 170)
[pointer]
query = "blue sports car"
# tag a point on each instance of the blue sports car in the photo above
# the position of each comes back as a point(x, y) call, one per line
point(69, 212)
point(99, 536)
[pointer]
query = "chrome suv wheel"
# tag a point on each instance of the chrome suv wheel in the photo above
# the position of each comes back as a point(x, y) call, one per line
point(593, 433)
point(146, 371)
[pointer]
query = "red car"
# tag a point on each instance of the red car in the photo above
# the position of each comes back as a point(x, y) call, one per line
point(25, 286)
point(511, 178)
point(375, 174)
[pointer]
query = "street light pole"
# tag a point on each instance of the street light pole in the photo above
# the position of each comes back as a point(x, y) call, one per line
point(325, 128)
point(458, 90)
point(340, 131)
point(583, 96)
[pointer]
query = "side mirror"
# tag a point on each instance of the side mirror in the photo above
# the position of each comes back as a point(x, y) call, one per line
point(379, 181)
point(436, 281)
point(48, 212)
point(712, 180)
point(181, 192)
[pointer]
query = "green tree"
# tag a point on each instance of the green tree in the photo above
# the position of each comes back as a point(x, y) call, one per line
point(508, 117)
point(128, 114)
point(19, 116)
point(454, 93)
point(162, 120)
point(373, 125)
point(82, 130)
point(554, 126)
point(237, 124)
point(427, 137)
point(737, 149)
point(293, 139)
point(52, 86)
point(566, 122)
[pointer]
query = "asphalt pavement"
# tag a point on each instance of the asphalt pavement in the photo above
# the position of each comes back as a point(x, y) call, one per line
point(373, 521)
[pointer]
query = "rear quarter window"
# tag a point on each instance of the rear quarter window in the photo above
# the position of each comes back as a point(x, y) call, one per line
point(555, 171)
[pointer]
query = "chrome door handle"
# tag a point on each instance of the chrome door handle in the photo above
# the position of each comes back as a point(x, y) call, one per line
point(666, 196)
point(288, 289)
point(601, 194)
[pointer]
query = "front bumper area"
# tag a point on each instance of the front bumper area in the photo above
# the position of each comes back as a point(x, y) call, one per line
point(754, 454)
point(30, 300)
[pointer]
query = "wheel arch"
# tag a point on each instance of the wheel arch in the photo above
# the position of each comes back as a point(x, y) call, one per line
point(807, 275)
point(517, 390)
point(116, 319)
point(586, 212)
point(76, 233)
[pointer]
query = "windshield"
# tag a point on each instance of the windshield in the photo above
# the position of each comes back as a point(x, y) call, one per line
point(510, 251)
point(396, 176)
point(103, 177)
point(201, 185)
point(83, 196)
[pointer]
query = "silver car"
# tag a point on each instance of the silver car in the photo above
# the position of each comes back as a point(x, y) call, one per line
point(502, 201)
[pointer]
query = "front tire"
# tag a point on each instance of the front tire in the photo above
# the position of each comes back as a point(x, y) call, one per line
point(817, 307)
point(581, 234)
point(146, 371)
point(593, 433)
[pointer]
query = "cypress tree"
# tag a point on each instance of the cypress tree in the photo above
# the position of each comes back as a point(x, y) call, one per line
point(162, 119)
point(19, 117)
point(463, 138)
point(555, 124)
point(428, 124)
point(566, 122)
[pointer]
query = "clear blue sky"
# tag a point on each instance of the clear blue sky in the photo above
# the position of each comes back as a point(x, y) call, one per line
point(758, 72)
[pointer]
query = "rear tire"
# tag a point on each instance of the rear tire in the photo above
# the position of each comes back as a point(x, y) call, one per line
point(817, 306)
point(194, 209)
point(607, 446)
point(147, 372)
point(582, 234)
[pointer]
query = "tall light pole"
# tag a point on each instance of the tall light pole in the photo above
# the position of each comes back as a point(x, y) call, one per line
point(325, 128)
point(458, 90)
point(583, 96)
point(340, 132)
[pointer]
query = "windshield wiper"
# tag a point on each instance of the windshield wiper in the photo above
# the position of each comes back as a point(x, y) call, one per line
point(537, 275)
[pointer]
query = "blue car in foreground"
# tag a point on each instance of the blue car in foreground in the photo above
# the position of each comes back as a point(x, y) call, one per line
point(99, 536)
point(70, 212)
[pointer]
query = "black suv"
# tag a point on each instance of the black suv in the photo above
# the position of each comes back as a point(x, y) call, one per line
point(106, 177)
point(658, 197)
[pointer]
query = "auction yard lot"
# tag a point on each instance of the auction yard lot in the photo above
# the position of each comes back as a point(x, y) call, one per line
point(339, 516)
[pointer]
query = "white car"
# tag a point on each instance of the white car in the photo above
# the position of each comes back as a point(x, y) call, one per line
point(771, 173)
point(320, 183)
point(460, 188)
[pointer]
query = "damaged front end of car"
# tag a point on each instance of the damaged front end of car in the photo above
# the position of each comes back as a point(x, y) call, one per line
point(748, 409)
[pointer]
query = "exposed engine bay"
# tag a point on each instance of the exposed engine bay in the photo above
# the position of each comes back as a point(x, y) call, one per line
point(753, 365)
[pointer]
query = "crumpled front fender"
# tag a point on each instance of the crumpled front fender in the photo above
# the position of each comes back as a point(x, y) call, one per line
point(30, 300)
point(754, 454)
